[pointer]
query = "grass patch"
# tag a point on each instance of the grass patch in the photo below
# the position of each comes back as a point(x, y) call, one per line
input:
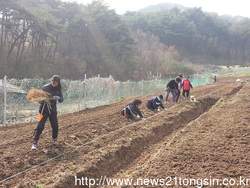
point(236, 100)
point(233, 75)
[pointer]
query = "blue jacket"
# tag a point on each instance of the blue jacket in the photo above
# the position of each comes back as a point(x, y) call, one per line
point(154, 103)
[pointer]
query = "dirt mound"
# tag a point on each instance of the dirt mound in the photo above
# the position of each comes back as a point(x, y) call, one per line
point(213, 146)
point(98, 141)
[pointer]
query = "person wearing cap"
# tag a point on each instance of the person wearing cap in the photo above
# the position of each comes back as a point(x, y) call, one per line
point(132, 109)
point(172, 87)
point(178, 93)
point(155, 102)
point(49, 110)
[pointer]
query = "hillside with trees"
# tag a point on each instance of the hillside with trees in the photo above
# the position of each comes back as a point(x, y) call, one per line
point(45, 37)
point(200, 37)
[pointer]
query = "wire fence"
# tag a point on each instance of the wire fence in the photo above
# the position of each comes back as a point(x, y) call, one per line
point(231, 70)
point(80, 94)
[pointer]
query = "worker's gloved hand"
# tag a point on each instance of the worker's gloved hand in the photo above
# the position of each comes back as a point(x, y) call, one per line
point(56, 98)
point(143, 118)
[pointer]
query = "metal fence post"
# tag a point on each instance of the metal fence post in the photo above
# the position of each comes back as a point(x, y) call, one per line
point(118, 90)
point(98, 90)
point(85, 93)
point(5, 97)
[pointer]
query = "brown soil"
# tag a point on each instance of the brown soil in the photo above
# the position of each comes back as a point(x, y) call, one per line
point(208, 138)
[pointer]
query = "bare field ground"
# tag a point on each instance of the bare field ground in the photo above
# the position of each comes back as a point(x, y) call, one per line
point(208, 138)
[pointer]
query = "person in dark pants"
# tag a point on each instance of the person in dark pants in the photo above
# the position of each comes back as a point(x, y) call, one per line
point(132, 109)
point(49, 110)
point(172, 87)
point(155, 102)
point(178, 93)
point(186, 84)
point(214, 78)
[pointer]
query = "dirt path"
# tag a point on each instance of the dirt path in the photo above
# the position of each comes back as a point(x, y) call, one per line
point(100, 142)
point(213, 146)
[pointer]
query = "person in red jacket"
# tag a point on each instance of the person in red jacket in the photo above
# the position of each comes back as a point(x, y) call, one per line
point(186, 84)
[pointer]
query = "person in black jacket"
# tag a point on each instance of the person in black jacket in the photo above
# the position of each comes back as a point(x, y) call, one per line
point(172, 87)
point(155, 102)
point(49, 110)
point(178, 93)
point(132, 109)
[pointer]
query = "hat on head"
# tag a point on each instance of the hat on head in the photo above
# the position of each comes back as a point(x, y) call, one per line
point(160, 98)
point(178, 79)
point(181, 75)
point(56, 78)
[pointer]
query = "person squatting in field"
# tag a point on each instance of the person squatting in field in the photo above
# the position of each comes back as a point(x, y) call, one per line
point(132, 109)
point(155, 102)
point(49, 110)
point(172, 87)
point(186, 84)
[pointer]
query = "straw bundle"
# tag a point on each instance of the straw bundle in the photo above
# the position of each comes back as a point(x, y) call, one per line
point(35, 95)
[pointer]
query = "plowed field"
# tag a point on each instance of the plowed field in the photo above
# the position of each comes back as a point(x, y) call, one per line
point(208, 138)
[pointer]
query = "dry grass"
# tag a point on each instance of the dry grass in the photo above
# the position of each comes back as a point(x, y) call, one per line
point(35, 95)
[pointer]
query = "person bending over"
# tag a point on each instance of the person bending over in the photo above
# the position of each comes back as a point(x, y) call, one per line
point(155, 102)
point(132, 109)
point(172, 87)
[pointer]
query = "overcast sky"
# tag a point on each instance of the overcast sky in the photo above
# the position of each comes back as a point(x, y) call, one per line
point(228, 7)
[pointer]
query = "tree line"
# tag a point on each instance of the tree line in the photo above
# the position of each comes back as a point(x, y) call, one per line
point(201, 37)
point(45, 37)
